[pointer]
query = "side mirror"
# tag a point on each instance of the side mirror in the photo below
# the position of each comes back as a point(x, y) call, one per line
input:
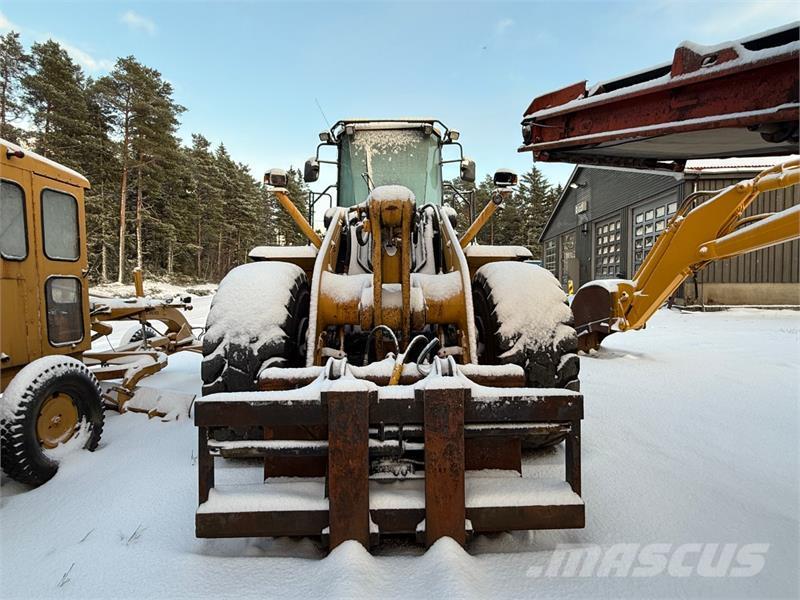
point(276, 178)
point(311, 170)
point(468, 170)
point(504, 178)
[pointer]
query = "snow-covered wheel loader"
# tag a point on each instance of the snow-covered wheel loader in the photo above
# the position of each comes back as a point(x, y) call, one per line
point(389, 373)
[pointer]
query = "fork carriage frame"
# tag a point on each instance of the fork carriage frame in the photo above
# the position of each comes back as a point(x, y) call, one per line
point(465, 429)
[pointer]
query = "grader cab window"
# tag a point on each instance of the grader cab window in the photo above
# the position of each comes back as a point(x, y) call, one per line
point(13, 240)
point(64, 310)
point(60, 225)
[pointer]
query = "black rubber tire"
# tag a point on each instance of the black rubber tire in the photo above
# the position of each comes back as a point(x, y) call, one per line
point(134, 334)
point(235, 367)
point(21, 454)
point(547, 364)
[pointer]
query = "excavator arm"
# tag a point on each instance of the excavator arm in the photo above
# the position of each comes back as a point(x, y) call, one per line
point(694, 237)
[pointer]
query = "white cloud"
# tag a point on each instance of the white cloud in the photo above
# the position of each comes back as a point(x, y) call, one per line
point(502, 25)
point(137, 22)
point(6, 25)
point(84, 59)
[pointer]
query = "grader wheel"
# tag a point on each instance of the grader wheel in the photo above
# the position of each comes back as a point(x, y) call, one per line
point(46, 405)
point(57, 421)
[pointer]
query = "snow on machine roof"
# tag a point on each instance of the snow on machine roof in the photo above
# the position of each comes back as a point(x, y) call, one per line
point(709, 102)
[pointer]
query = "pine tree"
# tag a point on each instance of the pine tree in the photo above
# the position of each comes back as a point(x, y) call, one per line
point(14, 65)
point(534, 195)
point(145, 118)
point(54, 91)
point(99, 164)
point(206, 192)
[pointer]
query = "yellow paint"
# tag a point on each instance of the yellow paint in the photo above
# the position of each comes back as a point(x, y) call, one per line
point(695, 237)
point(24, 332)
point(481, 220)
point(57, 420)
point(297, 217)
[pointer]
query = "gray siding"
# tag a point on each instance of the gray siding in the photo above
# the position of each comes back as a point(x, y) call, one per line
point(607, 191)
point(778, 264)
point(613, 192)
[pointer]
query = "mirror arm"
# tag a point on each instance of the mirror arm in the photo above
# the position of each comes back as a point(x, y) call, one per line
point(316, 154)
point(460, 153)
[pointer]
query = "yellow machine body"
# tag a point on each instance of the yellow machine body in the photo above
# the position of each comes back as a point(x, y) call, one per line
point(45, 296)
point(695, 236)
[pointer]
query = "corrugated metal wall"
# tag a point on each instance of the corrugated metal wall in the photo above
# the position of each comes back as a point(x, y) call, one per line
point(778, 264)
point(607, 191)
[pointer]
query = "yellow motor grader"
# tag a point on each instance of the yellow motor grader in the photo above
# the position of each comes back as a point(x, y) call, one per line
point(49, 377)
point(390, 373)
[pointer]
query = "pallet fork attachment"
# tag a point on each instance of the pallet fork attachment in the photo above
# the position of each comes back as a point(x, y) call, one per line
point(458, 427)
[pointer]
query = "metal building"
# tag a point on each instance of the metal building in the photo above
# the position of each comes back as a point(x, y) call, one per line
point(607, 219)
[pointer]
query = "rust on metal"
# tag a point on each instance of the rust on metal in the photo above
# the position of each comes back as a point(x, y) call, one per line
point(493, 453)
point(592, 311)
point(572, 453)
point(696, 93)
point(445, 512)
point(297, 465)
point(261, 524)
point(525, 406)
point(348, 466)
point(441, 421)
point(303, 378)
point(516, 518)
point(205, 465)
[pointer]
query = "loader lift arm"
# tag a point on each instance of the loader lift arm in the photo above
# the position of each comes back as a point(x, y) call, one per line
point(694, 237)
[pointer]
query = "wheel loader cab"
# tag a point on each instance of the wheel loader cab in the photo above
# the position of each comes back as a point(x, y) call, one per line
point(376, 154)
point(389, 152)
point(45, 302)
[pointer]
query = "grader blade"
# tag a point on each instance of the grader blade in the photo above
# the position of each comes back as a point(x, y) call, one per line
point(594, 315)
point(167, 405)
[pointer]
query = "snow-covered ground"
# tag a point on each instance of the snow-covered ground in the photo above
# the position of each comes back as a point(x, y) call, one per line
point(690, 436)
point(153, 288)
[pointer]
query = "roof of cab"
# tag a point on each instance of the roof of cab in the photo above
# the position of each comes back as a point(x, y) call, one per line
point(41, 165)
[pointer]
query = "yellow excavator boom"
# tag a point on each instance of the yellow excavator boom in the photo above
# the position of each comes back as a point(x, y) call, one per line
point(695, 236)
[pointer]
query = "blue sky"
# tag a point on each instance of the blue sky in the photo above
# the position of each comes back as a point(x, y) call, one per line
point(249, 72)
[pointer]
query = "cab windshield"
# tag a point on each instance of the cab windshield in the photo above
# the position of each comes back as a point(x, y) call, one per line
point(389, 156)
